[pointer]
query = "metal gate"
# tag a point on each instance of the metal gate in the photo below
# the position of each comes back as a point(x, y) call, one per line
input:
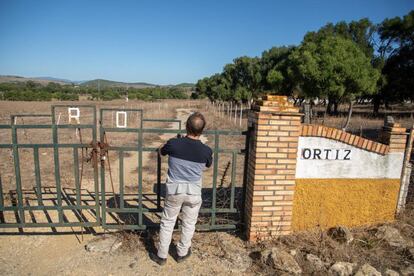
point(38, 203)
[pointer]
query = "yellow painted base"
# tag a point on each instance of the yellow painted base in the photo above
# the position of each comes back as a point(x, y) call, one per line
point(350, 202)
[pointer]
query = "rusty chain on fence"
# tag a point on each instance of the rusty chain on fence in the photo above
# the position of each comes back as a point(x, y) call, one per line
point(102, 149)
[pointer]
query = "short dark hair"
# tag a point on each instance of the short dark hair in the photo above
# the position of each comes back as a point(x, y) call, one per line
point(195, 124)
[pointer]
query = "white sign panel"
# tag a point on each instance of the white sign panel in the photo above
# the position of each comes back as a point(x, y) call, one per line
point(121, 119)
point(326, 158)
point(74, 114)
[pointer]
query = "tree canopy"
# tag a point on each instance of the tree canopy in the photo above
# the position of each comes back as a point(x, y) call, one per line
point(398, 33)
point(333, 67)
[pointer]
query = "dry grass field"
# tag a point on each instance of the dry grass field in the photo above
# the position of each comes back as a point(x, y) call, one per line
point(363, 123)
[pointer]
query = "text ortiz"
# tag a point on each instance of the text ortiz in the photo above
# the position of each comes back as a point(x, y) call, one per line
point(325, 154)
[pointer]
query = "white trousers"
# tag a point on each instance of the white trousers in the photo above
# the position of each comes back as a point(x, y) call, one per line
point(190, 205)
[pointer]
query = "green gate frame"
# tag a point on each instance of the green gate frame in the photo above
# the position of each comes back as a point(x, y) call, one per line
point(100, 207)
point(20, 207)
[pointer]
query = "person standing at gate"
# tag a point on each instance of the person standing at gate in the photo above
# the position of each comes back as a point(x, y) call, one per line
point(187, 158)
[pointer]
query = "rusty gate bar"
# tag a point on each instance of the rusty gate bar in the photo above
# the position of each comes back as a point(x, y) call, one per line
point(1, 200)
point(37, 175)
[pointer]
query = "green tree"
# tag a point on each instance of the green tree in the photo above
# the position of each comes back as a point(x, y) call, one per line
point(334, 68)
point(397, 36)
point(274, 69)
point(247, 73)
point(52, 87)
point(275, 79)
point(361, 32)
point(216, 87)
point(201, 86)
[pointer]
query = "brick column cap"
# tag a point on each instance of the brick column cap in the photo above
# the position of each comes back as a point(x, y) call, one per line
point(395, 129)
point(277, 105)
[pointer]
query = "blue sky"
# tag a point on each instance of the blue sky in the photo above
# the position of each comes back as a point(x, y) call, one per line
point(163, 42)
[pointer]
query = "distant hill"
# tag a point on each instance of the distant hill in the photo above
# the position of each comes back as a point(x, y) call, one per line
point(43, 81)
point(186, 84)
point(108, 83)
point(93, 83)
point(55, 80)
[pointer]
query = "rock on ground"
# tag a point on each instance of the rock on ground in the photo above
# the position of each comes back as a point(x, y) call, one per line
point(342, 269)
point(340, 234)
point(281, 261)
point(411, 252)
point(407, 230)
point(237, 258)
point(392, 236)
point(367, 270)
point(104, 244)
point(315, 261)
point(293, 252)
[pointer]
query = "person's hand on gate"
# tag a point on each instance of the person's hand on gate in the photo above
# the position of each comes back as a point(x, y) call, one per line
point(159, 149)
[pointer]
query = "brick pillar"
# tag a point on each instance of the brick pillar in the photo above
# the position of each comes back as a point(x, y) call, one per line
point(395, 136)
point(271, 170)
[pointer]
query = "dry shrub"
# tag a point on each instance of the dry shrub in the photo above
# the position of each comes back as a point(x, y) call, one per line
point(406, 221)
point(365, 248)
point(131, 241)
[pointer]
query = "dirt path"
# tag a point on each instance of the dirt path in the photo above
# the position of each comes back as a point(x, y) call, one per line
point(182, 115)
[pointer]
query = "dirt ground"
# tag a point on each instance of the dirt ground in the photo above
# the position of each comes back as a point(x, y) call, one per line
point(65, 255)
point(214, 253)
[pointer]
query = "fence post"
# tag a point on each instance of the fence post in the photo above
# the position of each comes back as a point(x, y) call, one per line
point(270, 184)
point(307, 113)
point(235, 113)
point(241, 114)
point(227, 108)
point(219, 109)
